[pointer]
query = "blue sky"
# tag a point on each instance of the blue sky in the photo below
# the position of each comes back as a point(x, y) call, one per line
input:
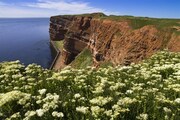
point(47, 8)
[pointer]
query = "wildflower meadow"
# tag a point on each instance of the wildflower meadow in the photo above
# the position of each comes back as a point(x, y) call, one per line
point(149, 90)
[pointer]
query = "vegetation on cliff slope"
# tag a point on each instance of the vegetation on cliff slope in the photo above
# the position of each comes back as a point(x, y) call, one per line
point(83, 60)
point(146, 91)
point(59, 44)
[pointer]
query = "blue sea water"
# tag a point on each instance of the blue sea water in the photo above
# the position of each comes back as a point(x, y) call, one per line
point(25, 39)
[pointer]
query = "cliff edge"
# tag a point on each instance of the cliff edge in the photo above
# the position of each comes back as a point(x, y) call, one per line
point(97, 40)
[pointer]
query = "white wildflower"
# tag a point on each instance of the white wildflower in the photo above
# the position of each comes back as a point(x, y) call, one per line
point(40, 112)
point(39, 101)
point(77, 96)
point(98, 90)
point(177, 100)
point(16, 88)
point(30, 113)
point(126, 101)
point(101, 100)
point(116, 86)
point(142, 116)
point(56, 97)
point(16, 115)
point(96, 110)
point(129, 91)
point(108, 112)
point(166, 110)
point(166, 117)
point(1, 114)
point(82, 109)
point(13, 95)
point(57, 114)
point(54, 113)
point(42, 91)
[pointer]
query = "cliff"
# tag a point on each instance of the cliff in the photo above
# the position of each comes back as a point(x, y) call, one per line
point(112, 39)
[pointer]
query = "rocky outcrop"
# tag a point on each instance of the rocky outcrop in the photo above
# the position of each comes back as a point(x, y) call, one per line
point(109, 40)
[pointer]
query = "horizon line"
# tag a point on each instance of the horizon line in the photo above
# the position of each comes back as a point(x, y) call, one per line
point(97, 12)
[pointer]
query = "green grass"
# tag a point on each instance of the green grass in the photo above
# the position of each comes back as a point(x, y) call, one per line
point(59, 44)
point(158, 23)
point(94, 15)
point(177, 32)
point(83, 60)
point(106, 64)
point(139, 22)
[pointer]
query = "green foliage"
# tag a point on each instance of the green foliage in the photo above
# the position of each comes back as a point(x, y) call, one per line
point(177, 32)
point(106, 64)
point(146, 91)
point(83, 60)
point(95, 15)
point(137, 23)
point(59, 44)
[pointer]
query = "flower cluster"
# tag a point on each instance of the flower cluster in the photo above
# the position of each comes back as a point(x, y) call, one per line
point(144, 91)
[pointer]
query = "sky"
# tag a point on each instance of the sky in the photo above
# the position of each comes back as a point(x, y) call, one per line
point(47, 8)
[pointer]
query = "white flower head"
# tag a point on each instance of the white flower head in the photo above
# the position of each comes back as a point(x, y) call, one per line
point(77, 96)
point(82, 109)
point(57, 114)
point(60, 115)
point(16, 115)
point(177, 100)
point(167, 110)
point(142, 116)
point(42, 91)
point(30, 113)
point(40, 112)
point(129, 92)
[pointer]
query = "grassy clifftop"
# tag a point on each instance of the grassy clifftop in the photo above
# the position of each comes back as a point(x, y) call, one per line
point(138, 22)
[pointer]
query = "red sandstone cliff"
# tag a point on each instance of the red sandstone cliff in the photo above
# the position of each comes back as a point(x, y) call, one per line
point(109, 40)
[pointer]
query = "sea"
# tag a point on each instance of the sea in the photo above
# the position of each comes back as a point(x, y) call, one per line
point(27, 40)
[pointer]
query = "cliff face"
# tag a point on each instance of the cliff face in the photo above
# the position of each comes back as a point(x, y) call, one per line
point(115, 41)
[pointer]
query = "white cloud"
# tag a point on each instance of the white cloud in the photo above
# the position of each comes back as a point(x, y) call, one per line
point(65, 7)
point(47, 8)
